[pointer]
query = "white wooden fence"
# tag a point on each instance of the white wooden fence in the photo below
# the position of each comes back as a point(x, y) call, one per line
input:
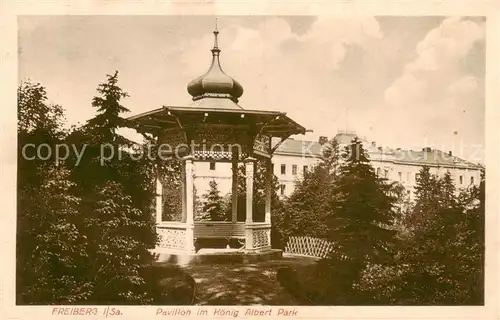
point(308, 246)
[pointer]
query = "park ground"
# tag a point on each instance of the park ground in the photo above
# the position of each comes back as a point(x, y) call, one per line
point(243, 284)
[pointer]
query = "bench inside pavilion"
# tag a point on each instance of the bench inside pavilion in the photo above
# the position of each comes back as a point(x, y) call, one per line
point(214, 127)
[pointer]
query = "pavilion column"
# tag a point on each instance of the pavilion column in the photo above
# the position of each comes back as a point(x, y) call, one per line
point(234, 186)
point(183, 193)
point(249, 171)
point(189, 196)
point(159, 200)
point(269, 189)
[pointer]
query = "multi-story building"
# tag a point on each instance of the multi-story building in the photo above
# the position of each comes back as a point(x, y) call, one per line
point(294, 157)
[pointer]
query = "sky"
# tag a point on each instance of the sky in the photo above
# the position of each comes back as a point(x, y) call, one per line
point(404, 82)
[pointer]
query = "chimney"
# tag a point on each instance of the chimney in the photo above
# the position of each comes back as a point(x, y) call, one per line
point(450, 153)
point(398, 149)
point(374, 144)
point(322, 140)
point(427, 149)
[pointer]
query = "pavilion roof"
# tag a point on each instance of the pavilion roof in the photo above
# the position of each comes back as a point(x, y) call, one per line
point(215, 97)
point(272, 123)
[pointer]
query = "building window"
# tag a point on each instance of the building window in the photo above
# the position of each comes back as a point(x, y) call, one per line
point(304, 169)
point(294, 169)
point(386, 173)
point(461, 178)
point(378, 172)
point(212, 165)
point(282, 189)
point(408, 177)
point(400, 176)
point(472, 180)
point(417, 175)
point(283, 169)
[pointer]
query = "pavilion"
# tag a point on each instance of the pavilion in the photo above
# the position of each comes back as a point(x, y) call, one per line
point(214, 127)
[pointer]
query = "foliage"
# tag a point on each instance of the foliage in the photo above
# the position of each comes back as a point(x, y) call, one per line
point(305, 211)
point(358, 223)
point(171, 176)
point(213, 204)
point(84, 225)
point(116, 255)
point(445, 255)
point(35, 115)
point(388, 250)
point(51, 245)
point(117, 186)
point(259, 192)
point(108, 119)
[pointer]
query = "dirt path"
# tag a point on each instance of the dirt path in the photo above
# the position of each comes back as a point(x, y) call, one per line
point(242, 284)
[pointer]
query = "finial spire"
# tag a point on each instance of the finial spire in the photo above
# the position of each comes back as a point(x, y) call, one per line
point(215, 83)
point(215, 49)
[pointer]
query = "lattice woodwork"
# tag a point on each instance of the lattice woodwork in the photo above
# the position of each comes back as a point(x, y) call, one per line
point(309, 246)
point(172, 238)
point(173, 138)
point(261, 237)
point(262, 145)
point(209, 135)
point(213, 155)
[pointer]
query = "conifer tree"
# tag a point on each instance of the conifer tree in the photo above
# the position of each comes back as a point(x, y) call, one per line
point(427, 191)
point(118, 192)
point(358, 225)
point(109, 113)
point(444, 257)
point(304, 211)
point(213, 204)
point(448, 191)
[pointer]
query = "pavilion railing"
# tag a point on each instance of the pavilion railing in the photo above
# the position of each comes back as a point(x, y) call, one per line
point(172, 235)
point(260, 235)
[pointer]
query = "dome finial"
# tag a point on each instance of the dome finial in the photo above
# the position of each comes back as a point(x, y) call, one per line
point(215, 49)
point(215, 83)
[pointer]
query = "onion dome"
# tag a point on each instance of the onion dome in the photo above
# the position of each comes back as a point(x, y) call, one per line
point(215, 83)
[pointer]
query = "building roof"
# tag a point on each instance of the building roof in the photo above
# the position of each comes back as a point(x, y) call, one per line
point(298, 147)
point(345, 137)
point(431, 157)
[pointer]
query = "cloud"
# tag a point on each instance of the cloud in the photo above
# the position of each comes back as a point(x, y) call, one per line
point(445, 45)
point(378, 76)
point(281, 70)
point(435, 90)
